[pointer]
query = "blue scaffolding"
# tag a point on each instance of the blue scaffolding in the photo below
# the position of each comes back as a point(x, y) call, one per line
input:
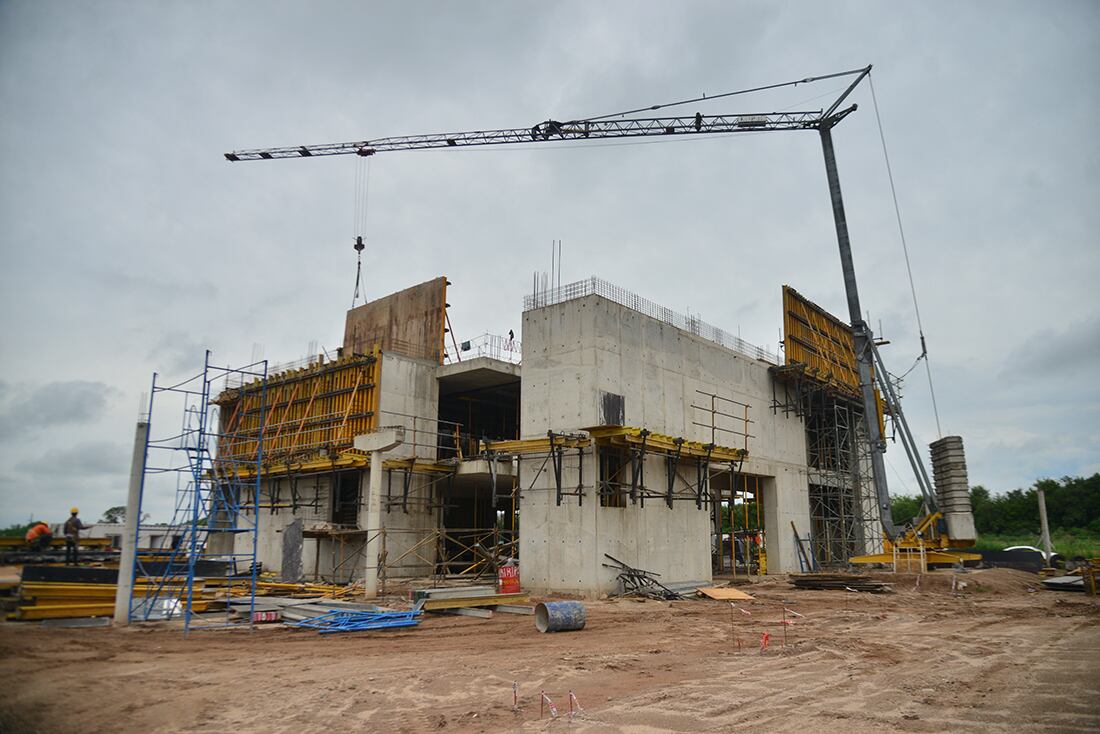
point(212, 465)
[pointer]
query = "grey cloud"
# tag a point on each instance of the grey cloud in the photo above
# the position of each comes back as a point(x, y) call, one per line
point(1073, 349)
point(27, 409)
point(88, 459)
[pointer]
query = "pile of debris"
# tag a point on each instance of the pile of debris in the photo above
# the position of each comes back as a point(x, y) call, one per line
point(349, 621)
point(839, 582)
point(638, 582)
point(1086, 578)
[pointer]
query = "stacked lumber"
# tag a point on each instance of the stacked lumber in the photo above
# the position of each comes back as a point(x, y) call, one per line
point(838, 582)
point(62, 600)
point(60, 592)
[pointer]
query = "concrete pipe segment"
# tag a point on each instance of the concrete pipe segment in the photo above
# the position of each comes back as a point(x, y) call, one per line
point(559, 616)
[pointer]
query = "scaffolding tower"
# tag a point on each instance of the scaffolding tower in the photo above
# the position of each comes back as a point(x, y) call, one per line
point(205, 557)
point(844, 519)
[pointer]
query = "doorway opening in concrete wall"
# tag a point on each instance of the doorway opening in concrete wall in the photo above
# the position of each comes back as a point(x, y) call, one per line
point(345, 500)
point(739, 542)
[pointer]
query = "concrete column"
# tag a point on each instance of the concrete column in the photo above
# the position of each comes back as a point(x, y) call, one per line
point(1043, 526)
point(374, 526)
point(129, 537)
point(786, 500)
point(382, 440)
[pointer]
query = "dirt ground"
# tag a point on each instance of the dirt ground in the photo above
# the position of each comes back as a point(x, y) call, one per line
point(1004, 656)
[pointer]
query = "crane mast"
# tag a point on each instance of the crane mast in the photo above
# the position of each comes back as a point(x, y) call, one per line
point(822, 121)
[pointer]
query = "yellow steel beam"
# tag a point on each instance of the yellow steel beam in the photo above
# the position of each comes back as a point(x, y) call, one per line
point(65, 611)
point(39, 590)
point(347, 460)
point(662, 444)
point(908, 556)
point(58, 542)
point(539, 445)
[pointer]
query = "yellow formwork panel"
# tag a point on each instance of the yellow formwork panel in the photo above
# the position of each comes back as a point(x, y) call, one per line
point(814, 337)
point(303, 412)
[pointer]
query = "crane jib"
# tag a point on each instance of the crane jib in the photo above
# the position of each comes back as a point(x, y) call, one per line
point(551, 130)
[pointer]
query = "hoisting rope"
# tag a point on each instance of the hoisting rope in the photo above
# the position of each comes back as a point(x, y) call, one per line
point(908, 268)
point(362, 190)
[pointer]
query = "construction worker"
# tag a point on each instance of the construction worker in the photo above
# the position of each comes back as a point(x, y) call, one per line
point(73, 526)
point(39, 536)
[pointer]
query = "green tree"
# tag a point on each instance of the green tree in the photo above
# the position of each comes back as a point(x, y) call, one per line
point(114, 514)
point(14, 531)
point(904, 508)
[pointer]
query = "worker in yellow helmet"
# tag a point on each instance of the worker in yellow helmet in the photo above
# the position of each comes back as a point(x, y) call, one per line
point(73, 526)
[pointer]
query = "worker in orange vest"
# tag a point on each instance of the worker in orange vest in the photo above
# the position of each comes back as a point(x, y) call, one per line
point(39, 536)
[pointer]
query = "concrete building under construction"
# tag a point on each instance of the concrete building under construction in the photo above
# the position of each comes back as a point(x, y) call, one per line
point(620, 429)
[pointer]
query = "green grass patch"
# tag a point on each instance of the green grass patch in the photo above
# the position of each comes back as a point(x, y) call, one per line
point(1070, 543)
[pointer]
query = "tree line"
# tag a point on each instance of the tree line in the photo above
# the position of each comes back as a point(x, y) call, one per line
point(1073, 503)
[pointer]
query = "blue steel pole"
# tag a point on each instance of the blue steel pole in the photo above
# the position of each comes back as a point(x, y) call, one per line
point(256, 491)
point(196, 497)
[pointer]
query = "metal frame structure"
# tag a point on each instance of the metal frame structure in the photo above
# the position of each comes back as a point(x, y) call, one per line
point(844, 514)
point(213, 532)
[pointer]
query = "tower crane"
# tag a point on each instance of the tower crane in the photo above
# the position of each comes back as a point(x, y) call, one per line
point(929, 532)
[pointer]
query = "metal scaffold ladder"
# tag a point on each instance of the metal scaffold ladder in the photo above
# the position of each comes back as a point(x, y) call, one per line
point(205, 557)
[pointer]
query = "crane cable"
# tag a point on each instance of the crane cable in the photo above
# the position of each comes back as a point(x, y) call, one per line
point(908, 268)
point(705, 98)
point(362, 189)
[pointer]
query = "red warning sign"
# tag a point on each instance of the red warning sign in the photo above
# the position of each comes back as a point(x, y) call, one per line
point(508, 579)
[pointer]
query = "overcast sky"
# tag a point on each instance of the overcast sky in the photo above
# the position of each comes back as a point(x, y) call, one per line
point(130, 245)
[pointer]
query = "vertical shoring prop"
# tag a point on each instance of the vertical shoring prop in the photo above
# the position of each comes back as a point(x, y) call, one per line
point(703, 483)
point(671, 462)
point(491, 457)
point(555, 460)
point(637, 470)
point(580, 476)
point(406, 483)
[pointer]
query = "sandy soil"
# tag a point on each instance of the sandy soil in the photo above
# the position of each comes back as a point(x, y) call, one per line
point(1002, 657)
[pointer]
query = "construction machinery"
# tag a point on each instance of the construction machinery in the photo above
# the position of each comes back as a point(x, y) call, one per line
point(932, 534)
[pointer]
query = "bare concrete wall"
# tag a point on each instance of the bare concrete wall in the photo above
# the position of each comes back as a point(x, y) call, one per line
point(575, 353)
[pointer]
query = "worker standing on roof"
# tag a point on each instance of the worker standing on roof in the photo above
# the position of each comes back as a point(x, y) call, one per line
point(39, 536)
point(73, 526)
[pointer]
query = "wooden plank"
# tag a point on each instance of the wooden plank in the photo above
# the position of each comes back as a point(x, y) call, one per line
point(724, 594)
